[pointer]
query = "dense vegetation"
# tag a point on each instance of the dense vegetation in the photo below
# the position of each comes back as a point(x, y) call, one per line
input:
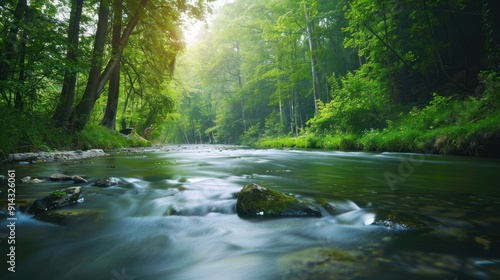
point(65, 64)
point(377, 75)
point(346, 74)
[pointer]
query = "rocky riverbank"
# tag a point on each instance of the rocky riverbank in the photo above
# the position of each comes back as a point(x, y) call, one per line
point(27, 158)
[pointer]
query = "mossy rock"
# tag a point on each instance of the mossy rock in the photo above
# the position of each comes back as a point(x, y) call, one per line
point(55, 199)
point(67, 217)
point(60, 177)
point(402, 220)
point(324, 263)
point(106, 182)
point(256, 201)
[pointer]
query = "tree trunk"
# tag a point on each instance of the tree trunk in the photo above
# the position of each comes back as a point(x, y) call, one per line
point(81, 115)
point(115, 59)
point(9, 54)
point(96, 82)
point(109, 119)
point(314, 59)
point(492, 29)
point(388, 54)
point(65, 104)
point(18, 101)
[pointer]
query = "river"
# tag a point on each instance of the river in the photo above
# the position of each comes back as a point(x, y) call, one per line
point(172, 216)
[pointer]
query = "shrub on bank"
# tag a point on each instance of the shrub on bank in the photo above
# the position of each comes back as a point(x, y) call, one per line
point(445, 126)
point(26, 133)
point(96, 136)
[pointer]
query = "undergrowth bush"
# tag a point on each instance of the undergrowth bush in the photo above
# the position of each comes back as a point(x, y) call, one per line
point(27, 133)
point(96, 136)
point(445, 126)
point(30, 133)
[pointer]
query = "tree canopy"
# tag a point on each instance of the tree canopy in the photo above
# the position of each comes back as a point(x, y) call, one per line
point(273, 68)
point(259, 69)
point(57, 58)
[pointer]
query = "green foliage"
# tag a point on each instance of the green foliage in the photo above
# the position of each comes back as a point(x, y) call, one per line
point(491, 99)
point(339, 142)
point(33, 61)
point(442, 111)
point(251, 134)
point(445, 125)
point(355, 107)
point(254, 67)
point(251, 75)
point(96, 136)
point(29, 133)
point(58, 194)
point(21, 132)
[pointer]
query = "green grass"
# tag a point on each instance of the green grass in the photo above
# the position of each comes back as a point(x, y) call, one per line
point(338, 142)
point(457, 132)
point(29, 133)
point(96, 136)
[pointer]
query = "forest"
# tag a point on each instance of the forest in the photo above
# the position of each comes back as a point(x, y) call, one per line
point(383, 75)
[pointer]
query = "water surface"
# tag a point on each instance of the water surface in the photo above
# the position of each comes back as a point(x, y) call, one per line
point(172, 216)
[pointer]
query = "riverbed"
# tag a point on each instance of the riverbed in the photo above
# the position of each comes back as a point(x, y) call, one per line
point(172, 215)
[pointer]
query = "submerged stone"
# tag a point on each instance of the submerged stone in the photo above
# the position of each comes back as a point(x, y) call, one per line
point(106, 182)
point(78, 179)
point(401, 220)
point(30, 180)
point(55, 199)
point(324, 263)
point(66, 217)
point(60, 177)
point(257, 201)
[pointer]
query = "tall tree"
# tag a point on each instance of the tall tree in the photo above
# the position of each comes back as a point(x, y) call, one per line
point(9, 53)
point(109, 119)
point(492, 28)
point(81, 114)
point(65, 104)
point(314, 56)
point(97, 80)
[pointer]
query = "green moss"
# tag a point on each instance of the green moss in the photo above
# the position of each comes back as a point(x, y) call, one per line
point(254, 200)
point(445, 126)
point(96, 136)
point(269, 201)
point(21, 132)
point(58, 194)
point(67, 217)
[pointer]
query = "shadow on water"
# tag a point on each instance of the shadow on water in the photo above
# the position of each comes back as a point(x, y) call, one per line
point(172, 216)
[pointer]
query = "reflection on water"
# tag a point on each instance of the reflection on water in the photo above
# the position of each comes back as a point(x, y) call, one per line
point(172, 216)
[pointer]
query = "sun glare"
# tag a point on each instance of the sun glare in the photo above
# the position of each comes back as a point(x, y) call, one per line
point(194, 28)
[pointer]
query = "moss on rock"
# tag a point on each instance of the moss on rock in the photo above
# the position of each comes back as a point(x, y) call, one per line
point(256, 201)
point(324, 263)
point(55, 199)
point(400, 220)
point(66, 217)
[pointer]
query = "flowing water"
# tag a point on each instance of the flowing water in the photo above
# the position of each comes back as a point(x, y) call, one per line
point(172, 216)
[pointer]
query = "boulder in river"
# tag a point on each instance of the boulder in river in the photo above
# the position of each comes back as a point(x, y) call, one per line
point(30, 180)
point(403, 220)
point(256, 201)
point(60, 177)
point(27, 158)
point(324, 263)
point(106, 182)
point(72, 216)
point(55, 199)
point(78, 179)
